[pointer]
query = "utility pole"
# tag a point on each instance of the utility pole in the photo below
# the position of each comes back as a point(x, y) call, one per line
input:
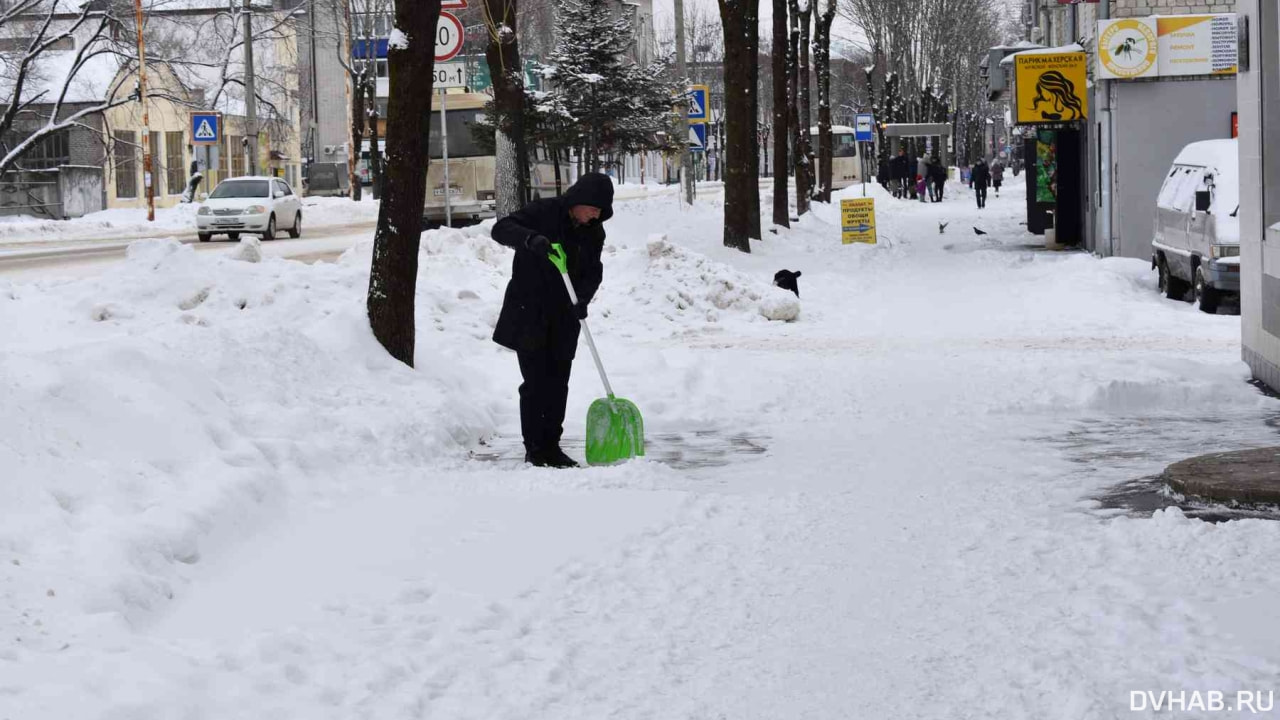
point(686, 157)
point(1104, 156)
point(146, 117)
point(250, 93)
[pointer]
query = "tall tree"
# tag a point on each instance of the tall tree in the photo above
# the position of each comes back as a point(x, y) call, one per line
point(616, 104)
point(741, 186)
point(781, 210)
point(806, 104)
point(798, 133)
point(393, 277)
point(822, 61)
point(512, 152)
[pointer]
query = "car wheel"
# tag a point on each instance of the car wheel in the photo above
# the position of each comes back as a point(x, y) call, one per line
point(205, 237)
point(1205, 296)
point(234, 236)
point(295, 232)
point(270, 234)
point(1173, 288)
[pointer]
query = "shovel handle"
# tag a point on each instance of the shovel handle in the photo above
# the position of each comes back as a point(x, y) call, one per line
point(561, 261)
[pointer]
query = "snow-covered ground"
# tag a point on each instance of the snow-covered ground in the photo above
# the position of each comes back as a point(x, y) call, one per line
point(220, 499)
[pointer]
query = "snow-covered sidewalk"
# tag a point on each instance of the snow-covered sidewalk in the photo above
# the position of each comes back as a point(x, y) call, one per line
point(221, 499)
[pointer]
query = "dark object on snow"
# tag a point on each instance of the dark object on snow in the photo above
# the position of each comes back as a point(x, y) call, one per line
point(537, 320)
point(976, 231)
point(942, 227)
point(786, 280)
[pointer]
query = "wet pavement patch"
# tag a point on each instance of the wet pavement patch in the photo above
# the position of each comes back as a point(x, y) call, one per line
point(1145, 496)
point(693, 450)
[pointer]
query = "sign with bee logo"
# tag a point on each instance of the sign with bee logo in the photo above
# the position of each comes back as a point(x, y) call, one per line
point(1050, 88)
point(1128, 48)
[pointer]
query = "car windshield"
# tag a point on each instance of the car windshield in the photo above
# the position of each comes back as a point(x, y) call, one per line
point(241, 189)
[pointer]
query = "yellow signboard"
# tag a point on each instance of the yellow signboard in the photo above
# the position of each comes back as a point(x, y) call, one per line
point(858, 220)
point(1051, 87)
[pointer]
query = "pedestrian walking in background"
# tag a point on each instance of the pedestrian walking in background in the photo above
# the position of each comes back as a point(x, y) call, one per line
point(981, 178)
point(997, 176)
point(939, 178)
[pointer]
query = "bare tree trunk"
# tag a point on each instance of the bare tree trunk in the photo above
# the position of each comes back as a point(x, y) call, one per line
point(393, 277)
point(741, 188)
point(355, 98)
point(503, 56)
point(796, 133)
point(806, 118)
point(753, 117)
point(781, 211)
point(822, 58)
point(375, 155)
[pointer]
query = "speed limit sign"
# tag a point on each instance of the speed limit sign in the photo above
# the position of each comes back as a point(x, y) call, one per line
point(449, 37)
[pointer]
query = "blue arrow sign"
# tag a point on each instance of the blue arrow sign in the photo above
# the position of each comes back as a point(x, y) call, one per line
point(206, 128)
point(697, 137)
point(857, 228)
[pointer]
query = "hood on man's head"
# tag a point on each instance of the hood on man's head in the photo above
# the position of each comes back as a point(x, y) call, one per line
point(594, 189)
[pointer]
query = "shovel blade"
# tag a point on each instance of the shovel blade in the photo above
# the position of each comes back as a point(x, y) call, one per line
point(615, 431)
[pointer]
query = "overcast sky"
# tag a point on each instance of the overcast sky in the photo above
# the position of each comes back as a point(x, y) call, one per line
point(842, 32)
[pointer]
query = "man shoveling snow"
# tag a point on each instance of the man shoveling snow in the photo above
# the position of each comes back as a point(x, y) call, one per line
point(537, 319)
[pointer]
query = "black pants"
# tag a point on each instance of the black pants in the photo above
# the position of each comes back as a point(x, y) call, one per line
point(937, 190)
point(981, 192)
point(996, 183)
point(545, 390)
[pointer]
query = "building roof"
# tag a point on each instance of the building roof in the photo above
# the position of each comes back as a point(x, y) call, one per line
point(91, 82)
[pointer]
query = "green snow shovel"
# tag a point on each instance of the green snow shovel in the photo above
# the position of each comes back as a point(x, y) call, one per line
point(615, 430)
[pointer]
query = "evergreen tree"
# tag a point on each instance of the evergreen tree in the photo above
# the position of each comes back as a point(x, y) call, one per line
point(615, 105)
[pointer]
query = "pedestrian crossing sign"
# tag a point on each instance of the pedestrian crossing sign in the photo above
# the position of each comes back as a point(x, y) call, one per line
point(698, 103)
point(206, 128)
point(858, 221)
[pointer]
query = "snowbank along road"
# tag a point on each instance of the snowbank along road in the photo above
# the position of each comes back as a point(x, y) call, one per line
point(221, 499)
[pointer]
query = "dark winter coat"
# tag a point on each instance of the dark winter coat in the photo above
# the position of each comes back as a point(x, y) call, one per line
point(883, 175)
point(938, 173)
point(981, 174)
point(536, 301)
point(900, 168)
point(997, 172)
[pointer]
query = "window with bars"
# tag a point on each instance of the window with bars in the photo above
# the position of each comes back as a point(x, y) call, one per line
point(235, 148)
point(46, 153)
point(125, 151)
point(174, 175)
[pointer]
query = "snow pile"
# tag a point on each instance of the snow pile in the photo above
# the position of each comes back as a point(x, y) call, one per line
point(249, 250)
point(172, 402)
point(686, 284)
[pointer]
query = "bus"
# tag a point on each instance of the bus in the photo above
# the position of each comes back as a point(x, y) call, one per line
point(471, 167)
point(846, 165)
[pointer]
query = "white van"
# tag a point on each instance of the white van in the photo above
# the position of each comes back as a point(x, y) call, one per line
point(1196, 246)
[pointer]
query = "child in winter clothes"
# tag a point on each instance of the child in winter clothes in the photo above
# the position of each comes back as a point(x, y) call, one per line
point(920, 188)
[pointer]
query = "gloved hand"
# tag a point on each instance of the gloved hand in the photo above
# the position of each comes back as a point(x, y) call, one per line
point(580, 310)
point(538, 245)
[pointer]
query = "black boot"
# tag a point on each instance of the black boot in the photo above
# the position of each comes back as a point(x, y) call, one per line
point(556, 457)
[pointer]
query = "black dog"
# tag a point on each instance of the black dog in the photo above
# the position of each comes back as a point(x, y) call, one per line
point(786, 280)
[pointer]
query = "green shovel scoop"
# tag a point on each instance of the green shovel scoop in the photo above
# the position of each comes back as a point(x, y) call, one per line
point(615, 430)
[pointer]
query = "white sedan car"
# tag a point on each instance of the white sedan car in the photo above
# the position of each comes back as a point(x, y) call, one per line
point(250, 204)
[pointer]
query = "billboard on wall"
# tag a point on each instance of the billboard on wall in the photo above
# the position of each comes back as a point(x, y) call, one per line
point(1051, 88)
point(1168, 46)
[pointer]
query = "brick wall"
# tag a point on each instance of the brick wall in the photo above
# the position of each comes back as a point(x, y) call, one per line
point(1142, 8)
